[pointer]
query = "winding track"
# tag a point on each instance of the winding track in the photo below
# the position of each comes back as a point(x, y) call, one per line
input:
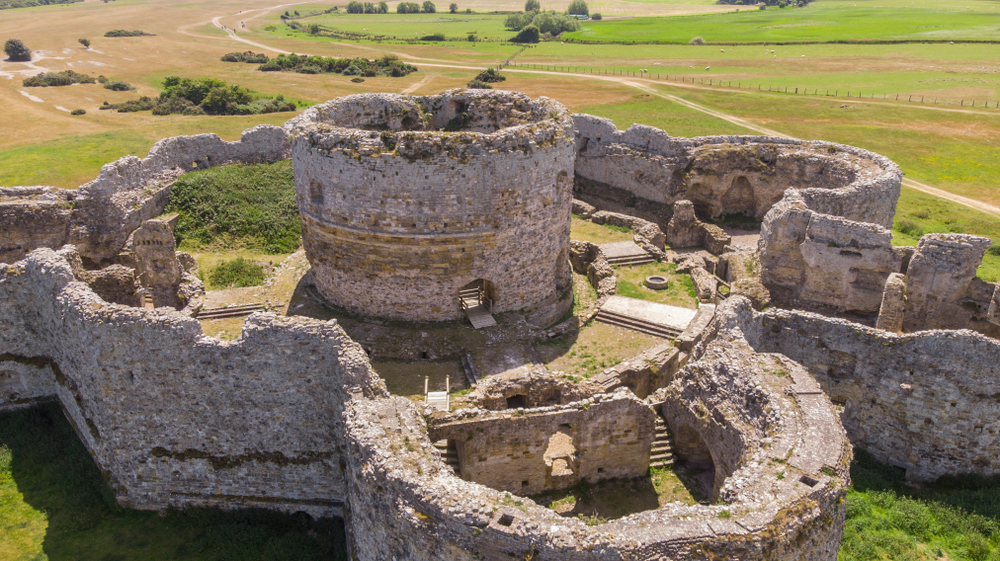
point(640, 84)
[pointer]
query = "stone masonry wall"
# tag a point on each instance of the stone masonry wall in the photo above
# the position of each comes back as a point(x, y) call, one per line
point(99, 216)
point(396, 222)
point(597, 438)
point(927, 402)
point(175, 418)
point(642, 171)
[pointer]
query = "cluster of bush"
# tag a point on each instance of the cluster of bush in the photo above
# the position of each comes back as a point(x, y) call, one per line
point(53, 79)
point(17, 51)
point(246, 56)
point(125, 33)
point(533, 24)
point(367, 8)
point(428, 7)
point(203, 96)
point(115, 85)
point(11, 4)
point(388, 65)
point(483, 80)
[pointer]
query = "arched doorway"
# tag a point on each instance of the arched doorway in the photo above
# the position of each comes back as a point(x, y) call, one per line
point(479, 292)
point(698, 474)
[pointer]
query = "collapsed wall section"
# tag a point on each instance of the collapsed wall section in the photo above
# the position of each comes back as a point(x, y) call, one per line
point(398, 216)
point(99, 216)
point(642, 171)
point(176, 418)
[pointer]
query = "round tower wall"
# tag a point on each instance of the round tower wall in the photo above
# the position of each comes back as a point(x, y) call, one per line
point(396, 222)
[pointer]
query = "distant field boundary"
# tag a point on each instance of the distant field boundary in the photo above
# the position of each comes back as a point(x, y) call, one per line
point(783, 43)
point(728, 84)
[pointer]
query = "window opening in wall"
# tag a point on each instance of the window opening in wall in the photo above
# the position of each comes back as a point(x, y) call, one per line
point(424, 355)
point(519, 401)
point(525, 483)
point(808, 480)
point(505, 520)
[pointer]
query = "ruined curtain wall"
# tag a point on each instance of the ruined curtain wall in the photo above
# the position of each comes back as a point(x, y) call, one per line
point(642, 171)
point(176, 418)
point(99, 216)
point(927, 402)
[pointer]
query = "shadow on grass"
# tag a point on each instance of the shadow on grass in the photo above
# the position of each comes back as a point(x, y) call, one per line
point(54, 502)
point(956, 517)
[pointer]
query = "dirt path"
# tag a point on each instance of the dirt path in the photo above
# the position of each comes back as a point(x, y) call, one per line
point(647, 86)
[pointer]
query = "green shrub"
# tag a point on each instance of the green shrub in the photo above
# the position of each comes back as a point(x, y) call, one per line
point(433, 37)
point(518, 21)
point(17, 51)
point(246, 56)
point(697, 41)
point(479, 85)
point(490, 76)
point(357, 80)
point(909, 227)
point(84, 42)
point(238, 206)
point(529, 34)
point(428, 7)
point(118, 86)
point(596, 17)
point(124, 33)
point(78, 112)
point(532, 6)
point(555, 23)
point(53, 79)
point(238, 273)
point(408, 8)
point(453, 8)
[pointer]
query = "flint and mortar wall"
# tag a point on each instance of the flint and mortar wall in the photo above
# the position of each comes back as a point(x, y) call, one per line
point(927, 401)
point(396, 222)
point(99, 216)
point(176, 418)
point(642, 171)
point(608, 437)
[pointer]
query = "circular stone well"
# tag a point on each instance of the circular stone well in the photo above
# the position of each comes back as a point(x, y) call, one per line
point(407, 200)
point(656, 282)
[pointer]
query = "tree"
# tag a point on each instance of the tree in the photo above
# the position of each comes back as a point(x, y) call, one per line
point(578, 8)
point(85, 43)
point(355, 7)
point(429, 7)
point(17, 51)
point(453, 8)
point(529, 34)
point(314, 29)
point(383, 8)
point(532, 6)
point(596, 17)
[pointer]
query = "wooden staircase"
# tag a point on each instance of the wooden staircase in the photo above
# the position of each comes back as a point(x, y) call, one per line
point(478, 312)
point(230, 312)
point(661, 454)
point(449, 455)
point(637, 324)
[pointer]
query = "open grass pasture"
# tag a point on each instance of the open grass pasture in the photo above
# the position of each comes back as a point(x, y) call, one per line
point(822, 21)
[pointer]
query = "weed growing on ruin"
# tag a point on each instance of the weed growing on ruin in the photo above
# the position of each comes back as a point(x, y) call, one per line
point(954, 518)
point(238, 206)
point(54, 504)
point(238, 273)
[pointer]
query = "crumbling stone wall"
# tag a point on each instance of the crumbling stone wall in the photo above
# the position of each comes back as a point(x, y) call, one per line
point(553, 447)
point(926, 402)
point(535, 388)
point(642, 171)
point(176, 418)
point(396, 222)
point(99, 216)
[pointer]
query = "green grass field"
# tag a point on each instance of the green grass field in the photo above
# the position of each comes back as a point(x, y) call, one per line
point(819, 22)
point(55, 505)
point(411, 26)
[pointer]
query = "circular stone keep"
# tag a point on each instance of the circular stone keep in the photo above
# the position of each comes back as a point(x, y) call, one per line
point(408, 201)
point(656, 282)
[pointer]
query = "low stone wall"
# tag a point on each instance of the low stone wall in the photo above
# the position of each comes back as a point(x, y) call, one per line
point(99, 216)
point(642, 171)
point(175, 418)
point(555, 447)
point(926, 402)
point(536, 388)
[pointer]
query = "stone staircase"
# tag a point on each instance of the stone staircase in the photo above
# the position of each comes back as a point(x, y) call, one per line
point(637, 324)
point(625, 253)
point(631, 260)
point(449, 455)
point(479, 315)
point(661, 454)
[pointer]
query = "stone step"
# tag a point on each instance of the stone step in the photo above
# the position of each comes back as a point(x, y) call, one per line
point(663, 464)
point(637, 324)
point(631, 260)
